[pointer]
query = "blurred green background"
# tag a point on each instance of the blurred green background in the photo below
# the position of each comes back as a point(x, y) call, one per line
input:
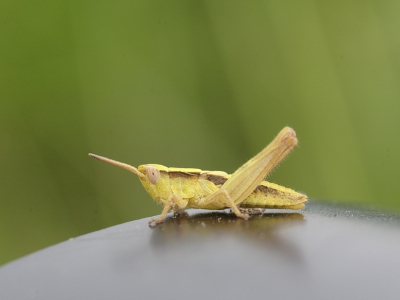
point(203, 84)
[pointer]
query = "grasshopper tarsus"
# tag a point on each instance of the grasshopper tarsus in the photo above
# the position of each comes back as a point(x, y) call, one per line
point(154, 222)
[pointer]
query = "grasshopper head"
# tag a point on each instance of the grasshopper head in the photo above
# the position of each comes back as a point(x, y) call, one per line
point(152, 173)
point(155, 181)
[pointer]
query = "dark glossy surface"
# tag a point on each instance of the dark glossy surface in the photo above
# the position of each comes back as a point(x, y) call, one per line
point(322, 252)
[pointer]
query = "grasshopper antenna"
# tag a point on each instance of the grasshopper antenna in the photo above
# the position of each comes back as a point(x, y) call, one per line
point(118, 164)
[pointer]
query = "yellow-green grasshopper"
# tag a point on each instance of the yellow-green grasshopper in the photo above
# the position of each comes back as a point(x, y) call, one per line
point(243, 191)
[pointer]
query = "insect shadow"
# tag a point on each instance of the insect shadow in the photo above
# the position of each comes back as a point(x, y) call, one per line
point(193, 229)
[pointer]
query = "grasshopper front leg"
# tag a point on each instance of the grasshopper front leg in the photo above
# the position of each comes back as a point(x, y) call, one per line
point(245, 179)
point(171, 201)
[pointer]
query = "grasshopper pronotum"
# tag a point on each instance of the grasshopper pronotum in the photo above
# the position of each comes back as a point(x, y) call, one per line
point(243, 191)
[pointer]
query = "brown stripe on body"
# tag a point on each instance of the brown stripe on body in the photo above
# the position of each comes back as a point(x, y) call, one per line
point(267, 190)
point(180, 174)
point(216, 179)
point(270, 195)
point(164, 173)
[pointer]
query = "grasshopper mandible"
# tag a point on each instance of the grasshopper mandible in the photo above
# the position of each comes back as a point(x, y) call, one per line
point(243, 191)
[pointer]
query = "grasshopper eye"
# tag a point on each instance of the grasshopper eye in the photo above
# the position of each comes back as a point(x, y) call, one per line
point(153, 174)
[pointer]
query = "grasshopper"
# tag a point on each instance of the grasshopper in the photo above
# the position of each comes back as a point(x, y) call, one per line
point(244, 191)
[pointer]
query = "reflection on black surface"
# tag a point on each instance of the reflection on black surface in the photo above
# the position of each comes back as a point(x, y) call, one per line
point(196, 229)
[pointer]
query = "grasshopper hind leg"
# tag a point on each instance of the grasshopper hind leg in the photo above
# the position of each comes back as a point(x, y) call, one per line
point(223, 193)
